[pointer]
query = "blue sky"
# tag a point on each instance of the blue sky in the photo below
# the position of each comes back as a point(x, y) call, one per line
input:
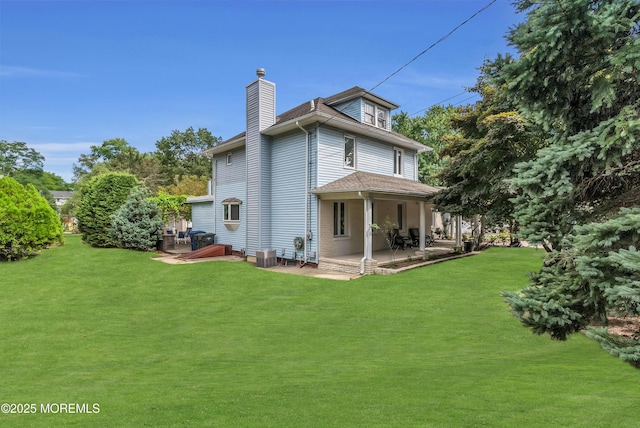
point(76, 73)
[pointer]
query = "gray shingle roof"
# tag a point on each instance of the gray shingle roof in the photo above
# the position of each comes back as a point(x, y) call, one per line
point(360, 181)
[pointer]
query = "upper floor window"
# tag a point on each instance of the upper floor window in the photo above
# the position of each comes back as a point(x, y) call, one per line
point(398, 155)
point(375, 115)
point(349, 152)
point(229, 158)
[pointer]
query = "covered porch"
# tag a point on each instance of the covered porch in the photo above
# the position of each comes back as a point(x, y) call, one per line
point(349, 206)
point(351, 263)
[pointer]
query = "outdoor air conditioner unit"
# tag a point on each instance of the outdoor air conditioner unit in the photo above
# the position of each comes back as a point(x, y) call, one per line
point(265, 258)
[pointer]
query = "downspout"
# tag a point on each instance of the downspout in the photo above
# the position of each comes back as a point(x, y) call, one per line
point(306, 191)
point(212, 190)
point(367, 229)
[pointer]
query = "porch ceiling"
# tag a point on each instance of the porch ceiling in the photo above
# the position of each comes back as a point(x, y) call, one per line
point(377, 186)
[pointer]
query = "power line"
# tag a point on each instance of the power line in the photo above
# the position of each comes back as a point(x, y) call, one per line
point(440, 40)
point(439, 102)
point(437, 42)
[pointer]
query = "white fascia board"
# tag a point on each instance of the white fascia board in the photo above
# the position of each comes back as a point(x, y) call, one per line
point(234, 144)
point(347, 125)
point(198, 199)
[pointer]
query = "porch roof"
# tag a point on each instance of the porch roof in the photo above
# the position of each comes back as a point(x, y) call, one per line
point(377, 184)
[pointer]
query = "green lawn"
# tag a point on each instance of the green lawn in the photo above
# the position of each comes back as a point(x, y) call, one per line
point(227, 344)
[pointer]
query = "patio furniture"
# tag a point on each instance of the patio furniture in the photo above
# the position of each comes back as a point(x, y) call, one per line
point(182, 237)
point(414, 232)
point(401, 241)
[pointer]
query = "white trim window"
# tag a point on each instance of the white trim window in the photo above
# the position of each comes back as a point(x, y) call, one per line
point(231, 210)
point(349, 152)
point(340, 219)
point(398, 159)
point(370, 114)
point(382, 115)
point(229, 158)
point(376, 115)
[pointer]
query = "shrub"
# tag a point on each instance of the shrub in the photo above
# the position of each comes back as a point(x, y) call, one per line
point(101, 197)
point(27, 221)
point(137, 224)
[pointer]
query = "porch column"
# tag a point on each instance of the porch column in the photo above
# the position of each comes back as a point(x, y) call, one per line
point(368, 252)
point(422, 225)
point(458, 231)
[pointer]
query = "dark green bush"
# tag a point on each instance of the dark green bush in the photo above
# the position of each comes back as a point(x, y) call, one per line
point(101, 197)
point(137, 224)
point(27, 222)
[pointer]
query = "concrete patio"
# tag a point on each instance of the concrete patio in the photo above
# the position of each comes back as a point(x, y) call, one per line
point(343, 267)
point(351, 263)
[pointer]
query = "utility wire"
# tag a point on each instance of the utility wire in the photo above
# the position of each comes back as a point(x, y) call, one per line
point(438, 103)
point(437, 42)
point(440, 40)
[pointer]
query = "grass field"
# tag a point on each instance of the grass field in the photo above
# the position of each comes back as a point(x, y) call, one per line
point(227, 344)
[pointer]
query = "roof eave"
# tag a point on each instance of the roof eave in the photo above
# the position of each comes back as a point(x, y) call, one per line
point(225, 147)
point(367, 95)
point(347, 125)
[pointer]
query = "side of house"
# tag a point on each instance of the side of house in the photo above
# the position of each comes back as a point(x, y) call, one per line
point(310, 182)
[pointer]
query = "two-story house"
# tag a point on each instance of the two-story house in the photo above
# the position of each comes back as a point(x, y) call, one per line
point(310, 182)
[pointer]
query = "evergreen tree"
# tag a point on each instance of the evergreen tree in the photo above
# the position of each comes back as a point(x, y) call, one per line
point(27, 222)
point(138, 223)
point(101, 197)
point(579, 77)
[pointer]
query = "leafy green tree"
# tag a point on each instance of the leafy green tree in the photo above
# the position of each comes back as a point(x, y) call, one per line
point(181, 152)
point(137, 224)
point(109, 151)
point(430, 130)
point(116, 155)
point(172, 206)
point(28, 224)
point(191, 185)
point(579, 77)
point(53, 181)
point(18, 156)
point(101, 197)
point(491, 137)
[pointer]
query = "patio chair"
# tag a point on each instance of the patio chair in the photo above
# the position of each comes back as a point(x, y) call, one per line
point(182, 237)
point(414, 232)
point(401, 241)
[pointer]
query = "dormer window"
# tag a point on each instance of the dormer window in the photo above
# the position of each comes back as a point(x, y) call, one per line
point(382, 118)
point(369, 114)
point(375, 115)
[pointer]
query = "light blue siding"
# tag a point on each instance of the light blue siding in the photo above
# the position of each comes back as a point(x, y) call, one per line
point(202, 216)
point(230, 182)
point(375, 156)
point(353, 108)
point(371, 156)
point(288, 194)
point(331, 155)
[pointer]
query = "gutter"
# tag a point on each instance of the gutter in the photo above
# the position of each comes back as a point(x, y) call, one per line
point(306, 191)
